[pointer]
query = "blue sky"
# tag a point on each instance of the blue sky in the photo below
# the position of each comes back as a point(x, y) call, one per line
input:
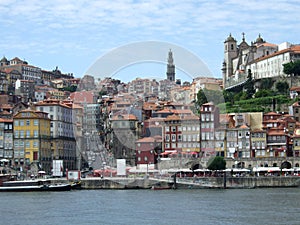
point(73, 35)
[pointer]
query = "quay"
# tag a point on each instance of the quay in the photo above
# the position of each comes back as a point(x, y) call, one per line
point(187, 183)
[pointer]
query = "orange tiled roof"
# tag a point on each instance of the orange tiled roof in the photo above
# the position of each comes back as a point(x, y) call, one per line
point(172, 117)
point(295, 49)
point(124, 117)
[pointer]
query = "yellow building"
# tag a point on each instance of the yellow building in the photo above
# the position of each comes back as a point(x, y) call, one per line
point(32, 142)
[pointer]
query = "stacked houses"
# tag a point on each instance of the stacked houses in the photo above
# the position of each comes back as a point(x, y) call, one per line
point(44, 118)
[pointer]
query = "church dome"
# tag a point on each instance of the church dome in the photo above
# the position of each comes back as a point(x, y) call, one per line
point(230, 38)
point(259, 39)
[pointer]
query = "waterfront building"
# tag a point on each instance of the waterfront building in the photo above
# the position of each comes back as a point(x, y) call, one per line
point(209, 120)
point(220, 135)
point(259, 144)
point(147, 151)
point(172, 131)
point(190, 141)
point(244, 140)
point(63, 144)
point(32, 140)
point(6, 141)
point(125, 132)
point(277, 135)
point(296, 145)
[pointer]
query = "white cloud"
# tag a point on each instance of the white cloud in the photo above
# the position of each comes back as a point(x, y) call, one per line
point(88, 27)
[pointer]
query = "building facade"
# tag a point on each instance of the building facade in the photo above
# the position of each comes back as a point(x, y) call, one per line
point(62, 125)
point(32, 140)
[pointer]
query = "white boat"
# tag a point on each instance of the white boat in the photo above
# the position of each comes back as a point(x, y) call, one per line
point(33, 185)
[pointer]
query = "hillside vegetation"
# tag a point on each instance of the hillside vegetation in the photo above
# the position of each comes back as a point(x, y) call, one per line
point(272, 96)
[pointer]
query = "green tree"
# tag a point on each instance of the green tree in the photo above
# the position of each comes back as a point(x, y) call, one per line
point(201, 98)
point(249, 86)
point(71, 88)
point(292, 68)
point(282, 87)
point(264, 93)
point(228, 96)
point(216, 163)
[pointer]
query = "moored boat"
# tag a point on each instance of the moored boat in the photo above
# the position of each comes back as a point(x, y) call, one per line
point(76, 185)
point(33, 185)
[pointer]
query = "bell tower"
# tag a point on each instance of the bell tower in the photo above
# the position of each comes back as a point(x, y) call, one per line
point(170, 67)
point(230, 52)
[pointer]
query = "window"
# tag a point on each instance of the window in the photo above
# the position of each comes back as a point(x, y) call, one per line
point(27, 122)
point(35, 133)
point(35, 122)
point(21, 143)
point(167, 138)
point(21, 123)
point(173, 137)
point(27, 144)
point(16, 122)
point(21, 133)
point(27, 133)
point(16, 134)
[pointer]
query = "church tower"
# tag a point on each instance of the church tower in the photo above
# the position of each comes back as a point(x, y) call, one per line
point(170, 67)
point(230, 52)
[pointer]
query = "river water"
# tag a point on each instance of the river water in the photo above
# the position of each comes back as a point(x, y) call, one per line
point(170, 207)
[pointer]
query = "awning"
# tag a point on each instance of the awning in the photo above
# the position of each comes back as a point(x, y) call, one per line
point(165, 153)
point(4, 160)
point(266, 169)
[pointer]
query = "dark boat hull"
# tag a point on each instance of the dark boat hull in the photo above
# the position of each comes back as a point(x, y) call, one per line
point(59, 187)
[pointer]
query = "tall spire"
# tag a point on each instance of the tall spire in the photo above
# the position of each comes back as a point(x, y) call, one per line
point(171, 67)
